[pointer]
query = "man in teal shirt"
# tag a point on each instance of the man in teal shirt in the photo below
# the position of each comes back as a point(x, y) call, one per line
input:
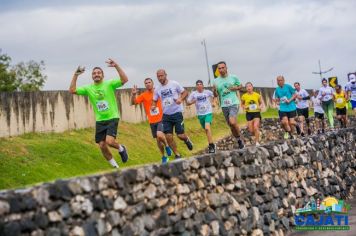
point(285, 96)
point(102, 97)
point(226, 87)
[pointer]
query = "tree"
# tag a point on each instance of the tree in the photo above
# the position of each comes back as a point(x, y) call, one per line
point(29, 75)
point(8, 81)
point(22, 76)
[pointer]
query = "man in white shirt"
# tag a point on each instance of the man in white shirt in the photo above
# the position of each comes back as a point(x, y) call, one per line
point(350, 89)
point(302, 107)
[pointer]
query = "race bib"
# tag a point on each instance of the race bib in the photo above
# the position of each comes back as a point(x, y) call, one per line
point(102, 105)
point(252, 107)
point(339, 100)
point(168, 101)
point(283, 99)
point(327, 97)
point(353, 96)
point(154, 112)
point(227, 102)
point(203, 108)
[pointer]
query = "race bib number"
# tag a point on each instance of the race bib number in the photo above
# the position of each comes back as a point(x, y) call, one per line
point(252, 107)
point(203, 108)
point(168, 101)
point(339, 100)
point(227, 102)
point(283, 99)
point(327, 97)
point(353, 96)
point(154, 112)
point(102, 105)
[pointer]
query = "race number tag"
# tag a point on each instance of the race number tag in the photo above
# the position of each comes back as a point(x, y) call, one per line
point(154, 112)
point(227, 102)
point(203, 108)
point(283, 99)
point(327, 97)
point(102, 105)
point(339, 100)
point(168, 101)
point(353, 96)
point(252, 107)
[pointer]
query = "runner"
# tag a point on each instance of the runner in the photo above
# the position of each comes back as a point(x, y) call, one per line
point(252, 103)
point(172, 95)
point(340, 99)
point(203, 100)
point(350, 89)
point(302, 108)
point(226, 87)
point(285, 96)
point(102, 97)
point(318, 113)
point(154, 117)
point(326, 95)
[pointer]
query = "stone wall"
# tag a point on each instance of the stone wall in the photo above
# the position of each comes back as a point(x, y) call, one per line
point(250, 191)
point(58, 111)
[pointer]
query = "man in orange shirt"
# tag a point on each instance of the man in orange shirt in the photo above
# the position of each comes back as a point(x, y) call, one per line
point(154, 116)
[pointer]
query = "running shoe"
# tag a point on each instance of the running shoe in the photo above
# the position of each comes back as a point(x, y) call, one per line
point(212, 148)
point(165, 160)
point(124, 155)
point(168, 151)
point(240, 143)
point(302, 134)
point(189, 144)
point(177, 157)
point(286, 135)
point(258, 144)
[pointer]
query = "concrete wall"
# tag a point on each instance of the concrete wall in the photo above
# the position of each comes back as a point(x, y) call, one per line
point(254, 191)
point(58, 111)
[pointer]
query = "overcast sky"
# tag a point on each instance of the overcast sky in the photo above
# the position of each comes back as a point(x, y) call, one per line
point(258, 39)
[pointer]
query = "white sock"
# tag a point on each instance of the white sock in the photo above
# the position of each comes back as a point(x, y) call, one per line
point(113, 163)
point(121, 148)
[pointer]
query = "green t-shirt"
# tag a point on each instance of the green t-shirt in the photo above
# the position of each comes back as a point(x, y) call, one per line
point(103, 99)
point(227, 97)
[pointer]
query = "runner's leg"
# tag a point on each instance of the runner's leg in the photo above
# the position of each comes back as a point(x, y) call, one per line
point(256, 128)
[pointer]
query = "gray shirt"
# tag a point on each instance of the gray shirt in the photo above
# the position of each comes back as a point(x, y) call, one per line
point(169, 93)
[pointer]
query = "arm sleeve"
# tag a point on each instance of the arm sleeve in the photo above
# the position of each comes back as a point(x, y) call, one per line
point(139, 99)
point(275, 94)
point(180, 88)
point(81, 91)
point(116, 83)
point(292, 90)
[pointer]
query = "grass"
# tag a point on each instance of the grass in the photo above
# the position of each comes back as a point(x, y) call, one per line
point(40, 157)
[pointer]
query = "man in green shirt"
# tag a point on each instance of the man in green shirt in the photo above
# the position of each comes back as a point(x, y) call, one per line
point(226, 86)
point(102, 97)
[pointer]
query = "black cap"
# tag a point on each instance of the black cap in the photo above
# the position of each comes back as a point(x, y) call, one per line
point(199, 81)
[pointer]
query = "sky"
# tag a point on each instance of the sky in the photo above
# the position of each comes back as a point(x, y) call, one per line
point(258, 39)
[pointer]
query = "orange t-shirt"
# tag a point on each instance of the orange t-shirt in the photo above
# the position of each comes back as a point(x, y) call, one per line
point(146, 98)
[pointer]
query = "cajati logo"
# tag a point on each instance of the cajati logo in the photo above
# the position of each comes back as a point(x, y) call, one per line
point(328, 214)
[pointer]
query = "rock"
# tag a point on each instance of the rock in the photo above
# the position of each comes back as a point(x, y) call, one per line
point(77, 231)
point(231, 173)
point(74, 187)
point(37, 232)
point(53, 232)
point(85, 184)
point(41, 195)
point(120, 204)
point(195, 164)
point(114, 218)
point(255, 214)
point(183, 189)
point(215, 227)
point(4, 208)
point(150, 191)
point(244, 212)
point(150, 223)
point(54, 216)
point(65, 211)
point(257, 232)
point(205, 230)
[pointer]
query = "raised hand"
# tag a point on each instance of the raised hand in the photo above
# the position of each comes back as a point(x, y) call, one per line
point(134, 89)
point(111, 63)
point(80, 70)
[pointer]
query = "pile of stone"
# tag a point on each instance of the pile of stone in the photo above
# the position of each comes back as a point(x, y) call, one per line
point(254, 191)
